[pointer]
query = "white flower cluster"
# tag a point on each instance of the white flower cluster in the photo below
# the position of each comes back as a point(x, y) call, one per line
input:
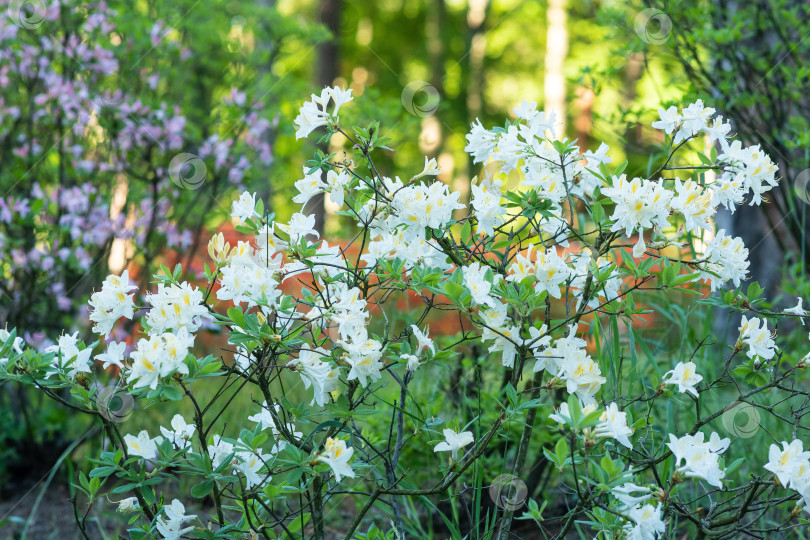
point(524, 146)
point(170, 525)
point(548, 272)
point(112, 302)
point(247, 462)
point(486, 202)
point(754, 333)
point(68, 358)
point(399, 227)
point(700, 459)
point(250, 276)
point(314, 115)
point(791, 465)
point(176, 312)
point(316, 373)
point(313, 183)
point(567, 360)
point(743, 169)
point(160, 356)
point(645, 519)
point(647, 523)
point(176, 307)
point(692, 121)
point(726, 260)
point(348, 314)
point(612, 422)
point(640, 204)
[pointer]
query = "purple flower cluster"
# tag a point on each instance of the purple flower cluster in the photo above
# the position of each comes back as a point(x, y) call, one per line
point(85, 154)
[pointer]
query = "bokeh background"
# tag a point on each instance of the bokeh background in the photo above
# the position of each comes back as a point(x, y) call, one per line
point(127, 127)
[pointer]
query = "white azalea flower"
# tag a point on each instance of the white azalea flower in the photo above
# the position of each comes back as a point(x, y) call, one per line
point(648, 523)
point(424, 342)
point(685, 376)
point(337, 456)
point(171, 526)
point(142, 445)
point(787, 461)
point(754, 333)
point(613, 424)
point(453, 442)
point(113, 301)
point(412, 362)
point(798, 310)
point(431, 168)
point(113, 356)
point(181, 433)
point(244, 208)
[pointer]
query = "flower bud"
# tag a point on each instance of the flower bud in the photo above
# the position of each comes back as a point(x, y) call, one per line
point(129, 504)
point(218, 249)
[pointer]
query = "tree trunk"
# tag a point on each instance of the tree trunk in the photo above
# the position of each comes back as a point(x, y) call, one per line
point(328, 58)
point(556, 51)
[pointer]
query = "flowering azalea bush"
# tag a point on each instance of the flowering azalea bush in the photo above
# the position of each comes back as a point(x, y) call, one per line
point(550, 284)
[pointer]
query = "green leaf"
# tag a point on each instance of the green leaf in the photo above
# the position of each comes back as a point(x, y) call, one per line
point(299, 522)
point(511, 394)
point(102, 472)
point(598, 212)
point(294, 476)
point(235, 314)
point(466, 230)
point(202, 489)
